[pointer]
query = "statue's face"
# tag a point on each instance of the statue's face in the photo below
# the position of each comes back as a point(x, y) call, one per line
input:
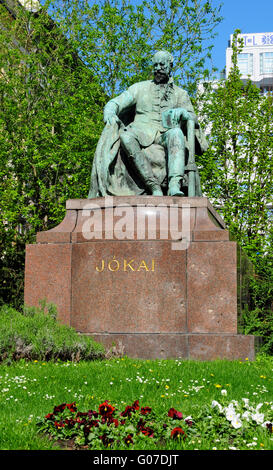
point(162, 67)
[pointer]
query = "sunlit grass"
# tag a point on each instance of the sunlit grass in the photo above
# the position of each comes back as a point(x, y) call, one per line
point(30, 390)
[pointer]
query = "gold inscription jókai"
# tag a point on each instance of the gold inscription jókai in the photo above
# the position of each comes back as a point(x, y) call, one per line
point(125, 265)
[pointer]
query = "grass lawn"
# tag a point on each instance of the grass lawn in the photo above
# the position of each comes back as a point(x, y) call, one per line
point(30, 390)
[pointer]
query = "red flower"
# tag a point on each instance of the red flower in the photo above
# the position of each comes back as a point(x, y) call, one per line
point(72, 407)
point(147, 431)
point(127, 412)
point(130, 409)
point(80, 413)
point(50, 416)
point(177, 432)
point(135, 405)
point(145, 410)
point(59, 408)
point(92, 413)
point(106, 410)
point(141, 424)
point(105, 439)
point(59, 424)
point(172, 413)
point(70, 423)
point(128, 439)
point(114, 421)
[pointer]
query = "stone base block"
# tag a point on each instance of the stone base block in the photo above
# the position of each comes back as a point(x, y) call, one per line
point(146, 287)
point(204, 347)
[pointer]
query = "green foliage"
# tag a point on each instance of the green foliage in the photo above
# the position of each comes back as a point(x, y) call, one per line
point(50, 121)
point(237, 176)
point(257, 314)
point(237, 169)
point(116, 38)
point(36, 335)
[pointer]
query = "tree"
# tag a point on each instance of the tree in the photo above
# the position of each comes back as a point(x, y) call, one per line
point(237, 176)
point(50, 121)
point(237, 169)
point(116, 38)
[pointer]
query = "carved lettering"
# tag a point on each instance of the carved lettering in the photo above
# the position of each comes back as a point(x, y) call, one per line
point(143, 265)
point(102, 267)
point(126, 263)
point(115, 265)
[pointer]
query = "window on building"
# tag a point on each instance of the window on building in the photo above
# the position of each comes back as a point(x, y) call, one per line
point(266, 62)
point(245, 63)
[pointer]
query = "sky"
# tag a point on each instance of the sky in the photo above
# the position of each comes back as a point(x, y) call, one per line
point(250, 16)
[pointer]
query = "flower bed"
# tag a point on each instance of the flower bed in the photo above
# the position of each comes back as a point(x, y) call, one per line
point(234, 425)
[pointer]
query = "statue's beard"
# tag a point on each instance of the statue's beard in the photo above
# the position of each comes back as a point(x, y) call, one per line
point(161, 77)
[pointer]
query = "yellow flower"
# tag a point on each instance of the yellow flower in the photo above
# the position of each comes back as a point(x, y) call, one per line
point(167, 386)
point(218, 385)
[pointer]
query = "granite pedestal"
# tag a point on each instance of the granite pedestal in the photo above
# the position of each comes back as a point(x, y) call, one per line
point(117, 270)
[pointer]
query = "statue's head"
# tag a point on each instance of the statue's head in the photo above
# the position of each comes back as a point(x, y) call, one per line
point(162, 64)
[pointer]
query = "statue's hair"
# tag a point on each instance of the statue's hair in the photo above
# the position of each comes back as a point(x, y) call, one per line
point(167, 53)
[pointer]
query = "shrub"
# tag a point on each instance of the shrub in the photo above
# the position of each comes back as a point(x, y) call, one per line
point(35, 334)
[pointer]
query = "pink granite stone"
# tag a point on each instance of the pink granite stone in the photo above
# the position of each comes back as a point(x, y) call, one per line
point(48, 276)
point(140, 288)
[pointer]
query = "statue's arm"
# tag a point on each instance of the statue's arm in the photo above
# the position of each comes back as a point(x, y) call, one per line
point(186, 110)
point(115, 106)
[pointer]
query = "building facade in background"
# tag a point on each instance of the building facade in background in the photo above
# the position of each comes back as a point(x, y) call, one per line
point(255, 60)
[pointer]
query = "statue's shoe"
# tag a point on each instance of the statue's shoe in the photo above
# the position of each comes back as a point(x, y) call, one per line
point(157, 192)
point(175, 191)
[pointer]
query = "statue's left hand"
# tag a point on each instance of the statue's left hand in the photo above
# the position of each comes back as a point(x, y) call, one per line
point(112, 119)
point(183, 114)
point(175, 115)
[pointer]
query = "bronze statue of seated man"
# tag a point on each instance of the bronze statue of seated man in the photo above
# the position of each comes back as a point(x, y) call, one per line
point(146, 153)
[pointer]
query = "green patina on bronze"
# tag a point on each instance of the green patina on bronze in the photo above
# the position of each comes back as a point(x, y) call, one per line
point(150, 140)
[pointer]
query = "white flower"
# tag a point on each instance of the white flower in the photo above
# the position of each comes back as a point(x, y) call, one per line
point(215, 403)
point(258, 417)
point(246, 415)
point(246, 401)
point(230, 412)
point(250, 444)
point(223, 392)
point(236, 422)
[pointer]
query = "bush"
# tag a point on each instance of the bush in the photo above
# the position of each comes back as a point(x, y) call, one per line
point(35, 334)
point(259, 323)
